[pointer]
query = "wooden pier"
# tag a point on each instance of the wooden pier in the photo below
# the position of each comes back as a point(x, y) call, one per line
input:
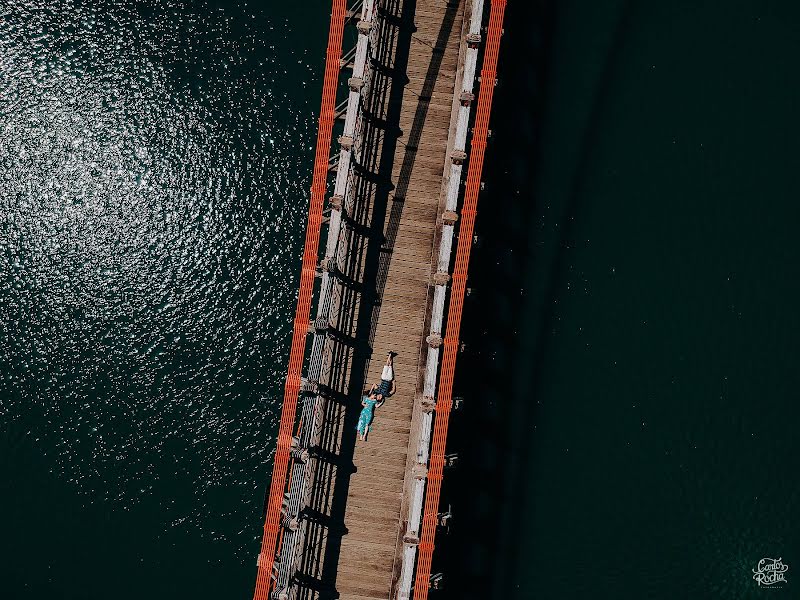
point(369, 560)
point(355, 519)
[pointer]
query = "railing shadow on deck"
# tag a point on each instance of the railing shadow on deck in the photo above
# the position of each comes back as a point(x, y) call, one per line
point(409, 158)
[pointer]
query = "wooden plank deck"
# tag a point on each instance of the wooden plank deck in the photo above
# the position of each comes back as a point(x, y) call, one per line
point(368, 560)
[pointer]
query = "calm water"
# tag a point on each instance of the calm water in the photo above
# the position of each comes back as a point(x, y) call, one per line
point(632, 433)
point(646, 439)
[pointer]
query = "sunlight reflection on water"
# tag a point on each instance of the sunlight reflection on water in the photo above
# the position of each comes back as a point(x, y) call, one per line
point(150, 210)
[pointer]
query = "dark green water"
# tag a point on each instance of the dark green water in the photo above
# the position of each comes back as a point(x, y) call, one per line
point(645, 444)
point(632, 317)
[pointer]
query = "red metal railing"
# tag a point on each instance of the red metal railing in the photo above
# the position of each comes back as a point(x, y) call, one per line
point(272, 526)
point(445, 398)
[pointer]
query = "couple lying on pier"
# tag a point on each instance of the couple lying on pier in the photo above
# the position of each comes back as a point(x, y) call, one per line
point(376, 396)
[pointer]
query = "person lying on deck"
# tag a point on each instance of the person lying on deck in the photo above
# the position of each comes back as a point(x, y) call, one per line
point(376, 396)
point(367, 413)
point(387, 386)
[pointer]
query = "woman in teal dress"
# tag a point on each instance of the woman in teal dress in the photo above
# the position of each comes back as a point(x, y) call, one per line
point(367, 413)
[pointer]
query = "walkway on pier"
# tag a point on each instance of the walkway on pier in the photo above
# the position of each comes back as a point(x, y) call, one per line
point(356, 520)
point(368, 562)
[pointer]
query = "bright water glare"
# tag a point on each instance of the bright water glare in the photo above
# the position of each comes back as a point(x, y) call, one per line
point(153, 177)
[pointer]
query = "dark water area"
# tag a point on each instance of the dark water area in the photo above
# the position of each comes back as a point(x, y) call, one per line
point(630, 430)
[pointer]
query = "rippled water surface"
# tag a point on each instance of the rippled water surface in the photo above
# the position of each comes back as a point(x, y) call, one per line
point(154, 162)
